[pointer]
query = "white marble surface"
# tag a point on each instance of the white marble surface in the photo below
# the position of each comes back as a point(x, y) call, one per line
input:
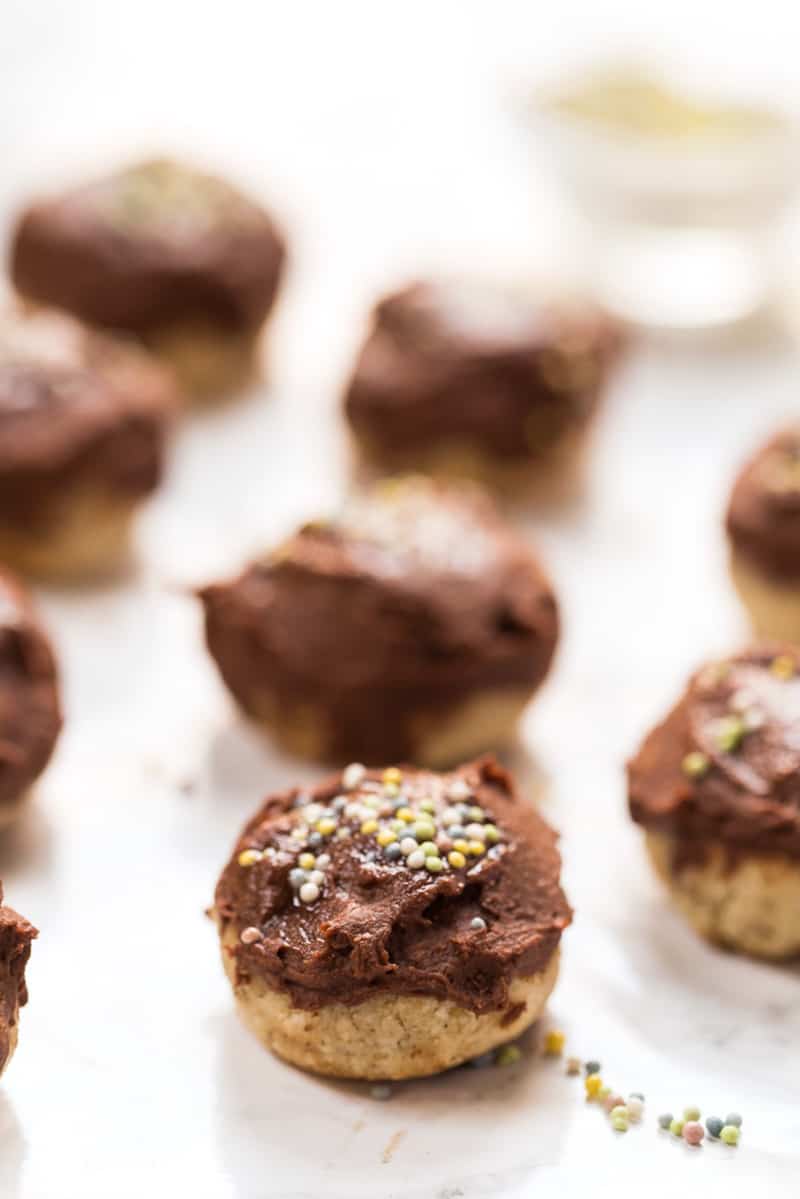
point(132, 1072)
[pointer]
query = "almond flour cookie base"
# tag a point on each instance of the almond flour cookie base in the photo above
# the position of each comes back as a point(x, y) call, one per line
point(10, 812)
point(750, 904)
point(89, 538)
point(208, 362)
point(388, 1037)
point(773, 608)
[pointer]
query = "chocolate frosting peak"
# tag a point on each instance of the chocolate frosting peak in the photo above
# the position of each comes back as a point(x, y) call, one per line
point(382, 924)
point(16, 935)
point(763, 519)
point(725, 764)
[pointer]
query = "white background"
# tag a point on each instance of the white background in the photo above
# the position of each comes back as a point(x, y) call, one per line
point(386, 137)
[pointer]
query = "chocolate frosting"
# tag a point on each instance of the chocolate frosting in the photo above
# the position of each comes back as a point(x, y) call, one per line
point(763, 520)
point(16, 935)
point(476, 364)
point(76, 408)
point(416, 598)
point(724, 767)
point(380, 926)
point(151, 246)
point(30, 712)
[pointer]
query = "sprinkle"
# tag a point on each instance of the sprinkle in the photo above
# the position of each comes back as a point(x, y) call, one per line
point(424, 830)
point(316, 876)
point(457, 832)
point(342, 833)
point(381, 1091)
point(691, 1113)
point(612, 1102)
point(430, 849)
point(250, 935)
point(693, 1132)
point(397, 826)
point(730, 1134)
point(443, 843)
point(369, 826)
point(619, 1109)
point(554, 1043)
point(249, 857)
point(416, 860)
point(604, 1092)
point(728, 732)
point(637, 1095)
point(592, 1083)
point(354, 811)
point(392, 777)
point(754, 719)
point(393, 852)
point(475, 832)
point(476, 848)
point(457, 860)
point(665, 1121)
point(592, 1067)
point(307, 861)
point(734, 1118)
point(573, 1065)
point(458, 791)
point(385, 837)
point(714, 1126)
point(676, 1128)
point(406, 815)
point(326, 826)
point(353, 775)
point(450, 816)
point(695, 764)
point(435, 865)
point(782, 667)
point(339, 804)
point(296, 878)
point(427, 805)
point(478, 924)
point(313, 812)
point(635, 1106)
point(492, 833)
point(315, 840)
point(460, 845)
point(476, 813)
point(309, 892)
point(408, 845)
point(620, 1122)
point(507, 1055)
point(323, 861)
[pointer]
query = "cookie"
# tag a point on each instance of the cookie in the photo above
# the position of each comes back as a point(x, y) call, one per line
point(16, 936)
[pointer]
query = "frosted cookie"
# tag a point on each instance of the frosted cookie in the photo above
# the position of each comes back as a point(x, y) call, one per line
point(30, 709)
point(763, 526)
point(716, 787)
point(416, 625)
point(16, 936)
point(84, 420)
point(392, 923)
point(477, 380)
point(171, 254)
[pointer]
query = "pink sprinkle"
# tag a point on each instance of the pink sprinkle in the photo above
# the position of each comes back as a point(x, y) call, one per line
point(612, 1101)
point(693, 1132)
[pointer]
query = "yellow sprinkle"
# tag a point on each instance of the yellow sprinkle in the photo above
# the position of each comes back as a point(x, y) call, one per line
point(782, 667)
point(385, 836)
point(461, 845)
point(369, 826)
point(457, 859)
point(249, 857)
point(476, 848)
point(592, 1083)
point(554, 1043)
point(406, 814)
point(326, 826)
point(307, 861)
point(392, 776)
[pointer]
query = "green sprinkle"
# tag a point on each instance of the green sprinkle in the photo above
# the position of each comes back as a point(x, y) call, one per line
point(695, 764)
point(435, 865)
point(619, 1123)
point(509, 1054)
point(691, 1113)
point(424, 830)
point(729, 732)
point(730, 1134)
point(492, 833)
point(427, 805)
point(676, 1127)
point(430, 849)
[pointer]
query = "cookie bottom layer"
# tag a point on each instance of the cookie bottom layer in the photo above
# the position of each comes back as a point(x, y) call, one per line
point(749, 903)
point(89, 536)
point(774, 608)
point(388, 1037)
point(13, 1034)
point(208, 361)
point(12, 809)
point(465, 730)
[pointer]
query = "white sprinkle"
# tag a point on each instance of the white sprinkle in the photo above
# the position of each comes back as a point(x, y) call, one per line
point(635, 1107)
point(353, 775)
point(451, 816)
point(324, 861)
point(743, 699)
point(754, 718)
point(416, 859)
point(317, 877)
point(342, 834)
point(458, 790)
point(475, 832)
point(354, 811)
point(249, 935)
point(478, 923)
point(309, 892)
point(408, 845)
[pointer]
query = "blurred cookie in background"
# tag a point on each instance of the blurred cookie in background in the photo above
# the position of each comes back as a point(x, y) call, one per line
point(84, 419)
point(414, 626)
point(174, 255)
point(474, 379)
point(16, 937)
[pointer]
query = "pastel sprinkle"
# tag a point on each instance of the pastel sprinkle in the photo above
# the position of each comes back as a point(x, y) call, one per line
point(734, 1118)
point(309, 893)
point(381, 1091)
point(665, 1120)
point(416, 860)
point(249, 857)
point(714, 1126)
point(369, 826)
point(507, 1055)
point(592, 1067)
point(554, 1043)
point(573, 1065)
point(392, 776)
point(478, 924)
point(353, 775)
point(620, 1122)
point(307, 861)
point(730, 1134)
point(592, 1083)
point(456, 859)
point(693, 1132)
point(782, 667)
point(635, 1106)
point(676, 1127)
point(249, 936)
point(691, 1113)
point(695, 764)
point(434, 865)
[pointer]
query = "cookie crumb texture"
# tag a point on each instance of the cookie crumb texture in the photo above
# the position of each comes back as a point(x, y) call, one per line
point(16, 936)
point(395, 927)
point(414, 626)
point(716, 787)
